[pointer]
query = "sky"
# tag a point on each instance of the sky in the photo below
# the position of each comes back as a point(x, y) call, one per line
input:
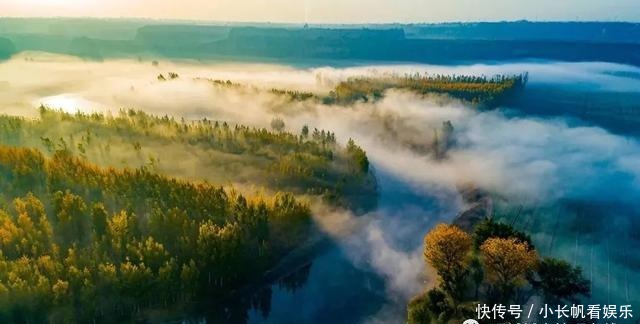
point(330, 11)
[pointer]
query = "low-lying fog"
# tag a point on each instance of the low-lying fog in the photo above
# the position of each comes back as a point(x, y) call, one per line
point(529, 160)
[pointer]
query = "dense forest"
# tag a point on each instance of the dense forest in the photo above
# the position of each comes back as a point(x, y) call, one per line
point(96, 226)
point(310, 163)
point(81, 243)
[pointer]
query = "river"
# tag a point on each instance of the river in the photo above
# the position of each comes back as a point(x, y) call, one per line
point(370, 275)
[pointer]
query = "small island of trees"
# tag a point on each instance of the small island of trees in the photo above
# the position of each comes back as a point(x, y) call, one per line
point(478, 90)
point(496, 264)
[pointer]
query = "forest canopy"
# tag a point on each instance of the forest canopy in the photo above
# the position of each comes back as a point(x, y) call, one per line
point(101, 218)
point(83, 242)
point(312, 163)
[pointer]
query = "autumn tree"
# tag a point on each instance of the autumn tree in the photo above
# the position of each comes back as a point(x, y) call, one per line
point(99, 244)
point(507, 262)
point(446, 249)
point(73, 222)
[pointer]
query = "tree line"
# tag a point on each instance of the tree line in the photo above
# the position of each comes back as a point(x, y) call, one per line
point(478, 90)
point(310, 162)
point(482, 91)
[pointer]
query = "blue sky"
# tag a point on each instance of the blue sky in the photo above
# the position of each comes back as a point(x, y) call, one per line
point(332, 11)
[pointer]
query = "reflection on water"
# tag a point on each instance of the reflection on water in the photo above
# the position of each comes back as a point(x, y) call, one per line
point(296, 280)
point(370, 275)
point(335, 292)
point(367, 276)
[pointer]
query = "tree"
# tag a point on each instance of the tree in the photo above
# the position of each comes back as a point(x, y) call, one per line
point(477, 274)
point(305, 131)
point(446, 141)
point(429, 307)
point(490, 228)
point(37, 233)
point(99, 219)
point(149, 252)
point(358, 156)
point(277, 124)
point(560, 281)
point(446, 248)
point(507, 262)
point(120, 229)
point(418, 310)
point(70, 210)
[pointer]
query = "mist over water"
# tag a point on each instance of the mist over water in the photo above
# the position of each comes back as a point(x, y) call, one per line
point(580, 183)
point(368, 275)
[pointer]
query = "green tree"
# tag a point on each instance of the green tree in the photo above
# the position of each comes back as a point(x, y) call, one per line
point(560, 281)
point(490, 228)
point(73, 222)
point(277, 124)
point(358, 156)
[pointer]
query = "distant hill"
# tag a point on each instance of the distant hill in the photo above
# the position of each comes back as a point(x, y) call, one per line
point(6, 48)
point(451, 43)
point(594, 32)
point(394, 45)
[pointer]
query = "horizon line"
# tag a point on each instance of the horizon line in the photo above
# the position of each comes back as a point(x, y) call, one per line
point(205, 21)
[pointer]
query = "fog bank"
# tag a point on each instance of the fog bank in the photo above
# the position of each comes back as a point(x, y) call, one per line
point(527, 160)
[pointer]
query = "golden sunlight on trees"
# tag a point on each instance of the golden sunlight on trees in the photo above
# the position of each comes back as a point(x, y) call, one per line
point(95, 244)
point(501, 267)
point(446, 249)
point(311, 162)
point(506, 262)
point(477, 90)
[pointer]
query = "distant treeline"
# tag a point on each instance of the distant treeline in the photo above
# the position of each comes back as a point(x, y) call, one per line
point(601, 32)
point(7, 48)
point(442, 44)
point(477, 90)
point(474, 89)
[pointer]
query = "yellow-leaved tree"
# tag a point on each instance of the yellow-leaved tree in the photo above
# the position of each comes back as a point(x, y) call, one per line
point(446, 249)
point(506, 262)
